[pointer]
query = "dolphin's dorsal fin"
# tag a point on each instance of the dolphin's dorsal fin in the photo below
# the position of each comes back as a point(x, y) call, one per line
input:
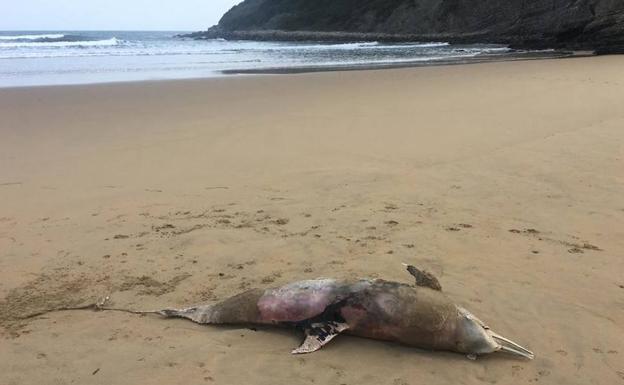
point(424, 278)
point(318, 334)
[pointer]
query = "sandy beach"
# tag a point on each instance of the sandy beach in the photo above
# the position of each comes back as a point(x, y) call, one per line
point(506, 180)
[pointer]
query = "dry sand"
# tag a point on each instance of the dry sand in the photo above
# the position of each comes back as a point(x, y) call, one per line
point(504, 179)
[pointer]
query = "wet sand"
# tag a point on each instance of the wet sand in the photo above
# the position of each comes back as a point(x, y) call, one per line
point(506, 180)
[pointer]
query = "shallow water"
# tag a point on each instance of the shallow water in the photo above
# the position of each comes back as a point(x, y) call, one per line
point(74, 57)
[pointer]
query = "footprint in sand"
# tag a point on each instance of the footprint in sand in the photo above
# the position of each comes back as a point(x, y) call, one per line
point(580, 249)
point(573, 248)
point(544, 373)
point(271, 278)
point(166, 226)
point(459, 226)
point(338, 208)
point(525, 231)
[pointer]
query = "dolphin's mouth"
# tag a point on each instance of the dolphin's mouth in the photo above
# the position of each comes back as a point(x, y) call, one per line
point(509, 346)
point(498, 342)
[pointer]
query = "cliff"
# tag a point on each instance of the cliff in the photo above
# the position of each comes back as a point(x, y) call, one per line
point(572, 24)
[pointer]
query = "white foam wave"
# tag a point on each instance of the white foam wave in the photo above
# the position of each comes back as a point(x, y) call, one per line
point(362, 45)
point(115, 51)
point(427, 45)
point(391, 61)
point(32, 37)
point(319, 46)
point(52, 44)
point(354, 45)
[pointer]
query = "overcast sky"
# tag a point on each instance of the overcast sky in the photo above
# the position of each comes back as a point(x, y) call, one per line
point(173, 15)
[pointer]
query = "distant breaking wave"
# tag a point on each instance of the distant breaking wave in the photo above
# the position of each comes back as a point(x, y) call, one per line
point(361, 45)
point(49, 43)
point(32, 37)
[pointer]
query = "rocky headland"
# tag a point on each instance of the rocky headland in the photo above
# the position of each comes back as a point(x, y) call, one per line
point(595, 25)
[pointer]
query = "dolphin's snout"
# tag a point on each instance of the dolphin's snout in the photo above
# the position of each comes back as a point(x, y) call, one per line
point(474, 337)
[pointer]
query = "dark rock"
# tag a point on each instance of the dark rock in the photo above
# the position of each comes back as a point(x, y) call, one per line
point(596, 25)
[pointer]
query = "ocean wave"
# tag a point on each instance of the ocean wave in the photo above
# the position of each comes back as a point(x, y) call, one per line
point(347, 46)
point(374, 45)
point(33, 37)
point(77, 52)
point(354, 45)
point(453, 55)
point(62, 44)
point(426, 45)
point(482, 50)
point(348, 63)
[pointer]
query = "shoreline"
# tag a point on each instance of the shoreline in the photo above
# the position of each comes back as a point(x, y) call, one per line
point(554, 55)
point(519, 56)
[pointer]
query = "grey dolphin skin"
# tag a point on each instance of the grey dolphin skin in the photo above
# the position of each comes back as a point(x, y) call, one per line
point(417, 315)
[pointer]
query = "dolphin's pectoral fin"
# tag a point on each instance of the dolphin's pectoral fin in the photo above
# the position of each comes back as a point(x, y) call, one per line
point(318, 334)
point(424, 278)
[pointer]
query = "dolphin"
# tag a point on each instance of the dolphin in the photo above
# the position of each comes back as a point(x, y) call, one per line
point(418, 315)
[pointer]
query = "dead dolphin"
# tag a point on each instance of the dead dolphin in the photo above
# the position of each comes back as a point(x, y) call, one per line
point(417, 315)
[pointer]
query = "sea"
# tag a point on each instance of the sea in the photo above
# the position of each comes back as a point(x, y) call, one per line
point(77, 57)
